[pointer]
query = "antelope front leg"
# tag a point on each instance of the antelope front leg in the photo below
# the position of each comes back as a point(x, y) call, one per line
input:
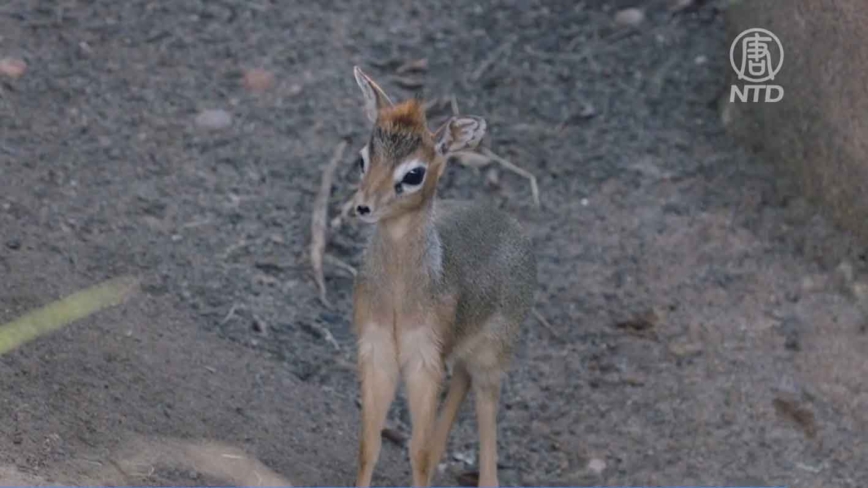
point(423, 372)
point(378, 371)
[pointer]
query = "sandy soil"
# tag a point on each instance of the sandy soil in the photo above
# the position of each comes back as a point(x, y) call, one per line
point(705, 328)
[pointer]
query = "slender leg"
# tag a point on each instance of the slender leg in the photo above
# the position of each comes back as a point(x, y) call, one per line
point(423, 372)
point(458, 386)
point(487, 397)
point(378, 370)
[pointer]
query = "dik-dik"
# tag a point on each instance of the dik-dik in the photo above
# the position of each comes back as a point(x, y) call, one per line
point(441, 282)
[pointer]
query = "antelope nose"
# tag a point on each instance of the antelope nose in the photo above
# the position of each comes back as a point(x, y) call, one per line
point(363, 210)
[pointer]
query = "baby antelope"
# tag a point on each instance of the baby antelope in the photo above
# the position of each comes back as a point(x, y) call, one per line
point(442, 282)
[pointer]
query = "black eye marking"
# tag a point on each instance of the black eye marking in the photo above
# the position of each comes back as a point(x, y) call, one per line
point(414, 176)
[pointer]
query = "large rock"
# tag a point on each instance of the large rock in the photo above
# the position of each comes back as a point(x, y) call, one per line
point(818, 132)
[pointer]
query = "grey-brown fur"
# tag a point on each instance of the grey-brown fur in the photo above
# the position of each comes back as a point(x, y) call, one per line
point(488, 263)
point(441, 281)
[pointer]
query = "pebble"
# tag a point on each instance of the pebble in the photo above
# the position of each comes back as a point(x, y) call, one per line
point(860, 293)
point(679, 5)
point(630, 16)
point(596, 466)
point(492, 178)
point(845, 272)
point(685, 350)
point(12, 67)
point(214, 119)
point(295, 89)
point(258, 80)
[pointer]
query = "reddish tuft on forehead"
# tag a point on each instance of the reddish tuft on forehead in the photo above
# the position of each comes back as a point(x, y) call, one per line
point(408, 116)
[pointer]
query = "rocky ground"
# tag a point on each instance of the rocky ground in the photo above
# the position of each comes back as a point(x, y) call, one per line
point(705, 323)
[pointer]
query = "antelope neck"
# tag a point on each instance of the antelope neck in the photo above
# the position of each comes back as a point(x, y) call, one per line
point(407, 239)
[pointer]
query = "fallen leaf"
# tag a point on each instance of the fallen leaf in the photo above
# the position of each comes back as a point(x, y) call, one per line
point(408, 82)
point(12, 67)
point(641, 325)
point(413, 65)
point(801, 416)
point(258, 80)
point(630, 16)
point(685, 349)
point(214, 119)
point(679, 5)
point(468, 478)
point(393, 436)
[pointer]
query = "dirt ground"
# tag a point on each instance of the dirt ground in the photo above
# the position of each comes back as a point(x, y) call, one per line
point(704, 324)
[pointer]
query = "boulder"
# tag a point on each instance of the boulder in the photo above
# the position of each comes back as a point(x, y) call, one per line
point(818, 132)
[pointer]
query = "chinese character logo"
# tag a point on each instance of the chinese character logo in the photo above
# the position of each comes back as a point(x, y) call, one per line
point(757, 60)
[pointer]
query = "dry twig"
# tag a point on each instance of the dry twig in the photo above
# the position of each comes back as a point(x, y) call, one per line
point(319, 221)
point(517, 170)
point(432, 104)
point(539, 316)
point(491, 59)
point(340, 263)
point(471, 159)
point(413, 65)
point(408, 82)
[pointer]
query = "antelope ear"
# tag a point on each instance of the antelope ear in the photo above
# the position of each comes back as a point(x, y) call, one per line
point(459, 133)
point(375, 97)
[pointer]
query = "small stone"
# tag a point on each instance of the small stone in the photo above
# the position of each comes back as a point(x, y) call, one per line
point(258, 326)
point(588, 111)
point(466, 457)
point(700, 60)
point(679, 5)
point(630, 17)
point(258, 80)
point(294, 89)
point(685, 350)
point(492, 178)
point(808, 284)
point(860, 292)
point(12, 67)
point(13, 244)
point(468, 478)
point(596, 466)
point(633, 379)
point(214, 119)
point(584, 202)
point(845, 272)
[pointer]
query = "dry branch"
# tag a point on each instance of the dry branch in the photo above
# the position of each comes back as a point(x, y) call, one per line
point(340, 263)
point(413, 66)
point(319, 220)
point(517, 170)
point(545, 323)
point(491, 59)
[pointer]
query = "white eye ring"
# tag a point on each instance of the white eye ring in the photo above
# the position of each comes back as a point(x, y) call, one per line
point(401, 172)
point(363, 156)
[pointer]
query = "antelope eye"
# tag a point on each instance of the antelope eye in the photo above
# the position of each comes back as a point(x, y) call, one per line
point(414, 177)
